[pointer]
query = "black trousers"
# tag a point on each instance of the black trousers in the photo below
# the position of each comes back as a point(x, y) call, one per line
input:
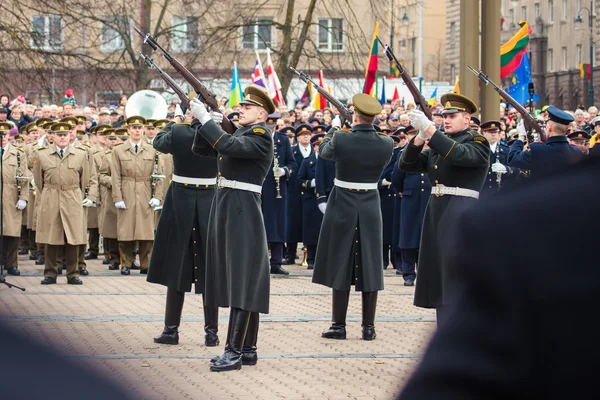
point(94, 240)
point(276, 254)
point(11, 247)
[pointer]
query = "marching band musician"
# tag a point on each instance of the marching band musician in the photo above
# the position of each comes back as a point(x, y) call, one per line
point(15, 193)
point(237, 255)
point(131, 171)
point(180, 260)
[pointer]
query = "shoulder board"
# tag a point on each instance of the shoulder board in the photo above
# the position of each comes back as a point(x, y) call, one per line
point(182, 123)
point(259, 131)
point(108, 152)
point(87, 145)
point(117, 144)
point(33, 144)
point(381, 134)
point(42, 147)
point(20, 149)
point(479, 139)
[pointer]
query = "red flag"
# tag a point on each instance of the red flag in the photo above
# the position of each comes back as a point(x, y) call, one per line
point(320, 102)
point(395, 97)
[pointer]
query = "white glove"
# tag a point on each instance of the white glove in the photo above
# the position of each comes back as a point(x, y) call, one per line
point(198, 110)
point(419, 121)
point(217, 117)
point(278, 172)
point(120, 205)
point(179, 112)
point(154, 202)
point(499, 168)
point(322, 207)
point(313, 183)
point(336, 123)
point(21, 204)
point(521, 130)
point(88, 203)
point(385, 182)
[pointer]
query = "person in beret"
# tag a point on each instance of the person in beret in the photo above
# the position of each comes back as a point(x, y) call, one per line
point(545, 158)
point(62, 174)
point(457, 163)
point(135, 195)
point(350, 241)
point(241, 277)
point(581, 140)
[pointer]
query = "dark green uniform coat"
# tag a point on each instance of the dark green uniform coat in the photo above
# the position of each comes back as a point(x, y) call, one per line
point(351, 238)
point(179, 253)
point(461, 160)
point(237, 255)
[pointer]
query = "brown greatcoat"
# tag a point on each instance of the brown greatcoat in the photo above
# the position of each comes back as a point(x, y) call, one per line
point(29, 216)
point(108, 212)
point(93, 212)
point(61, 184)
point(11, 216)
point(131, 179)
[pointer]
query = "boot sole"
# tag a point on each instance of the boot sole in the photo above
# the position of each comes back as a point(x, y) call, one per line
point(213, 368)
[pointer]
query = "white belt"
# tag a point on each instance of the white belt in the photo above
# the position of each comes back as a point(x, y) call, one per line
point(441, 190)
point(194, 181)
point(354, 185)
point(226, 183)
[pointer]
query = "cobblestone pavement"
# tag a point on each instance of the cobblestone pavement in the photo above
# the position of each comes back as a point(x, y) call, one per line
point(109, 321)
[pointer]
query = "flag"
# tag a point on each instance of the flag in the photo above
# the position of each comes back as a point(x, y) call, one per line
point(307, 96)
point(395, 97)
point(235, 96)
point(584, 71)
point(329, 91)
point(274, 84)
point(382, 100)
point(258, 75)
point(376, 89)
point(519, 89)
point(511, 52)
point(372, 64)
point(320, 102)
point(457, 85)
point(394, 70)
point(433, 97)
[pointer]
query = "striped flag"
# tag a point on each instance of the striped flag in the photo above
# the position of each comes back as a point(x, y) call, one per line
point(372, 65)
point(274, 84)
point(320, 101)
point(258, 76)
point(235, 96)
point(511, 52)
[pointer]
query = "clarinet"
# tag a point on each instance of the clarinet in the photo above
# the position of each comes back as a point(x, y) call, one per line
point(19, 177)
point(277, 182)
point(155, 174)
point(498, 174)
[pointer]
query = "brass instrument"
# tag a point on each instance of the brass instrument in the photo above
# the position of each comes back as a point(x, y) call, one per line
point(304, 262)
point(155, 177)
point(148, 104)
point(277, 182)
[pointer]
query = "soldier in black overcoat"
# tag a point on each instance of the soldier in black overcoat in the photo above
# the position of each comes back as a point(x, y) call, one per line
point(386, 203)
point(350, 241)
point(457, 162)
point(274, 196)
point(237, 253)
point(293, 236)
point(311, 215)
point(179, 257)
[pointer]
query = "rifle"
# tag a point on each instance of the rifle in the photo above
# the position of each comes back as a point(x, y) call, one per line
point(170, 81)
point(345, 114)
point(412, 88)
point(528, 120)
point(201, 91)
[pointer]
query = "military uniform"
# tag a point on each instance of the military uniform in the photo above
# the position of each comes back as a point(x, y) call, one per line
point(352, 225)
point(457, 166)
point(386, 203)
point(15, 179)
point(131, 173)
point(179, 260)
point(61, 182)
point(237, 255)
point(388, 174)
point(544, 158)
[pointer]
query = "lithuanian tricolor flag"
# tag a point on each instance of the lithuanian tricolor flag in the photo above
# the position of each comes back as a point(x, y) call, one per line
point(371, 73)
point(584, 71)
point(511, 52)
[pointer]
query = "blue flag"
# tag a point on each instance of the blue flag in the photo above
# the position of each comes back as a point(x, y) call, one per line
point(519, 89)
point(382, 100)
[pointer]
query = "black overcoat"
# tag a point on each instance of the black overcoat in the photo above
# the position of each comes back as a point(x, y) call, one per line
point(312, 217)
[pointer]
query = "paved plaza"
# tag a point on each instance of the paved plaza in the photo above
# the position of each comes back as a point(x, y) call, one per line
point(109, 322)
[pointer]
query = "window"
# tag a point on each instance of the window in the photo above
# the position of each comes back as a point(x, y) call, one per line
point(524, 13)
point(184, 36)
point(330, 36)
point(565, 10)
point(550, 10)
point(113, 32)
point(538, 14)
point(511, 17)
point(403, 43)
point(579, 55)
point(452, 73)
point(550, 60)
point(564, 59)
point(256, 33)
point(47, 32)
point(452, 35)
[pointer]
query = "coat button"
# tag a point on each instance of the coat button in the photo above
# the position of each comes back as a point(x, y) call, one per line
point(195, 267)
point(422, 182)
point(197, 185)
point(422, 190)
point(422, 174)
point(436, 182)
point(435, 167)
point(489, 173)
point(193, 229)
point(357, 241)
point(195, 280)
point(194, 242)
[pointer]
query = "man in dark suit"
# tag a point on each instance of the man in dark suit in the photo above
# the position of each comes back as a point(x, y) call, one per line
point(520, 326)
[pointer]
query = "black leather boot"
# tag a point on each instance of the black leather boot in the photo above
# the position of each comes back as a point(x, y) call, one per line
point(339, 308)
point(170, 334)
point(232, 358)
point(211, 325)
point(229, 328)
point(369, 305)
point(249, 356)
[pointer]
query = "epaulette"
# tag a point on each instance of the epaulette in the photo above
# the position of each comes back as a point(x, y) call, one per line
point(108, 152)
point(259, 131)
point(87, 145)
point(20, 149)
point(117, 144)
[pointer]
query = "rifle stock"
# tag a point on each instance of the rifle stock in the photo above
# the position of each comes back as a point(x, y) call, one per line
point(345, 114)
point(528, 120)
point(412, 88)
point(201, 91)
